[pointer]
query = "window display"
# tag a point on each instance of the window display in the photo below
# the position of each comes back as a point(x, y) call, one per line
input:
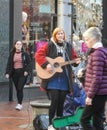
point(88, 13)
point(39, 18)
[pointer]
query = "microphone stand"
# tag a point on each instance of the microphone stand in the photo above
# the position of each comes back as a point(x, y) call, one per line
point(72, 86)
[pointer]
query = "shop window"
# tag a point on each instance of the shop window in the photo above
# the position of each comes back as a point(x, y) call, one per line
point(39, 19)
point(37, 28)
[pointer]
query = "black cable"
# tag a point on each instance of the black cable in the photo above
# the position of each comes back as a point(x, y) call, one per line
point(28, 111)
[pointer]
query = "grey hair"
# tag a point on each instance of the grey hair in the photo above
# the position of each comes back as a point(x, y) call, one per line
point(93, 33)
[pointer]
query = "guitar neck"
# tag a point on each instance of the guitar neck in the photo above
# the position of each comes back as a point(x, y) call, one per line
point(67, 62)
point(72, 61)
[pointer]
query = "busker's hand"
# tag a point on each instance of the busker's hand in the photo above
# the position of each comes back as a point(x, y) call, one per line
point(88, 101)
point(25, 73)
point(7, 76)
point(49, 68)
point(78, 60)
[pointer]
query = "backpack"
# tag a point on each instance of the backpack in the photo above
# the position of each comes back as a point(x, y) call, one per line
point(72, 102)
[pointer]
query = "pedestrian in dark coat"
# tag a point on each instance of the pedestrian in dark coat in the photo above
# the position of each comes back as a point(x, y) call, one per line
point(18, 67)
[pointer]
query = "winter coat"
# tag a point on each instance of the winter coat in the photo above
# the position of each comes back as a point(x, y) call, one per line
point(96, 73)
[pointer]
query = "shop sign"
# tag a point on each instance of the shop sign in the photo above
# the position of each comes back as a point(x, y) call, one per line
point(44, 9)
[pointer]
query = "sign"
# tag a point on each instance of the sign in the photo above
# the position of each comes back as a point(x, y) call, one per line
point(44, 9)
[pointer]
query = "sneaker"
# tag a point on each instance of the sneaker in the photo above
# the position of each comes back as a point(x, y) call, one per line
point(18, 107)
point(51, 128)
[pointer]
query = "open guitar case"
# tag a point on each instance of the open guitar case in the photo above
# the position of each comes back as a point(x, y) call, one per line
point(71, 114)
point(73, 121)
point(72, 111)
point(69, 122)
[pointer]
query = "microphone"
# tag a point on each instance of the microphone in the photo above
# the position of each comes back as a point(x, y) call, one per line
point(63, 42)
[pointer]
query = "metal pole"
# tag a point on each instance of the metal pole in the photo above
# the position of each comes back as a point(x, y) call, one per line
point(11, 43)
point(64, 16)
point(15, 29)
point(72, 14)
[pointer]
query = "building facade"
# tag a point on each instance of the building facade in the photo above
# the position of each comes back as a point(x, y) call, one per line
point(42, 17)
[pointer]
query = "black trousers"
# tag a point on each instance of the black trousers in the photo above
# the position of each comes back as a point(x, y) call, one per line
point(57, 102)
point(91, 118)
point(19, 81)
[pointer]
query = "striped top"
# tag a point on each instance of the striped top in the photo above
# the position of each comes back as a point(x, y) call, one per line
point(18, 61)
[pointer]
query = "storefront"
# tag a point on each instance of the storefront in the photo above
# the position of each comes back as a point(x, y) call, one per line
point(4, 37)
point(42, 18)
point(39, 24)
point(88, 13)
point(38, 21)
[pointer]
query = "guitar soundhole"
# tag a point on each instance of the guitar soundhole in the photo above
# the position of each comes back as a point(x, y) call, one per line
point(56, 65)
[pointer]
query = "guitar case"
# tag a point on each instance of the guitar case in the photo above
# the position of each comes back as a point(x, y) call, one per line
point(71, 120)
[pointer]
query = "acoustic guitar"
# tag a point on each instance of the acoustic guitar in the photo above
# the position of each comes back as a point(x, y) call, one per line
point(56, 63)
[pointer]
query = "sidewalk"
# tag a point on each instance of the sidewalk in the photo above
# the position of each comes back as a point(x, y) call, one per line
point(12, 119)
